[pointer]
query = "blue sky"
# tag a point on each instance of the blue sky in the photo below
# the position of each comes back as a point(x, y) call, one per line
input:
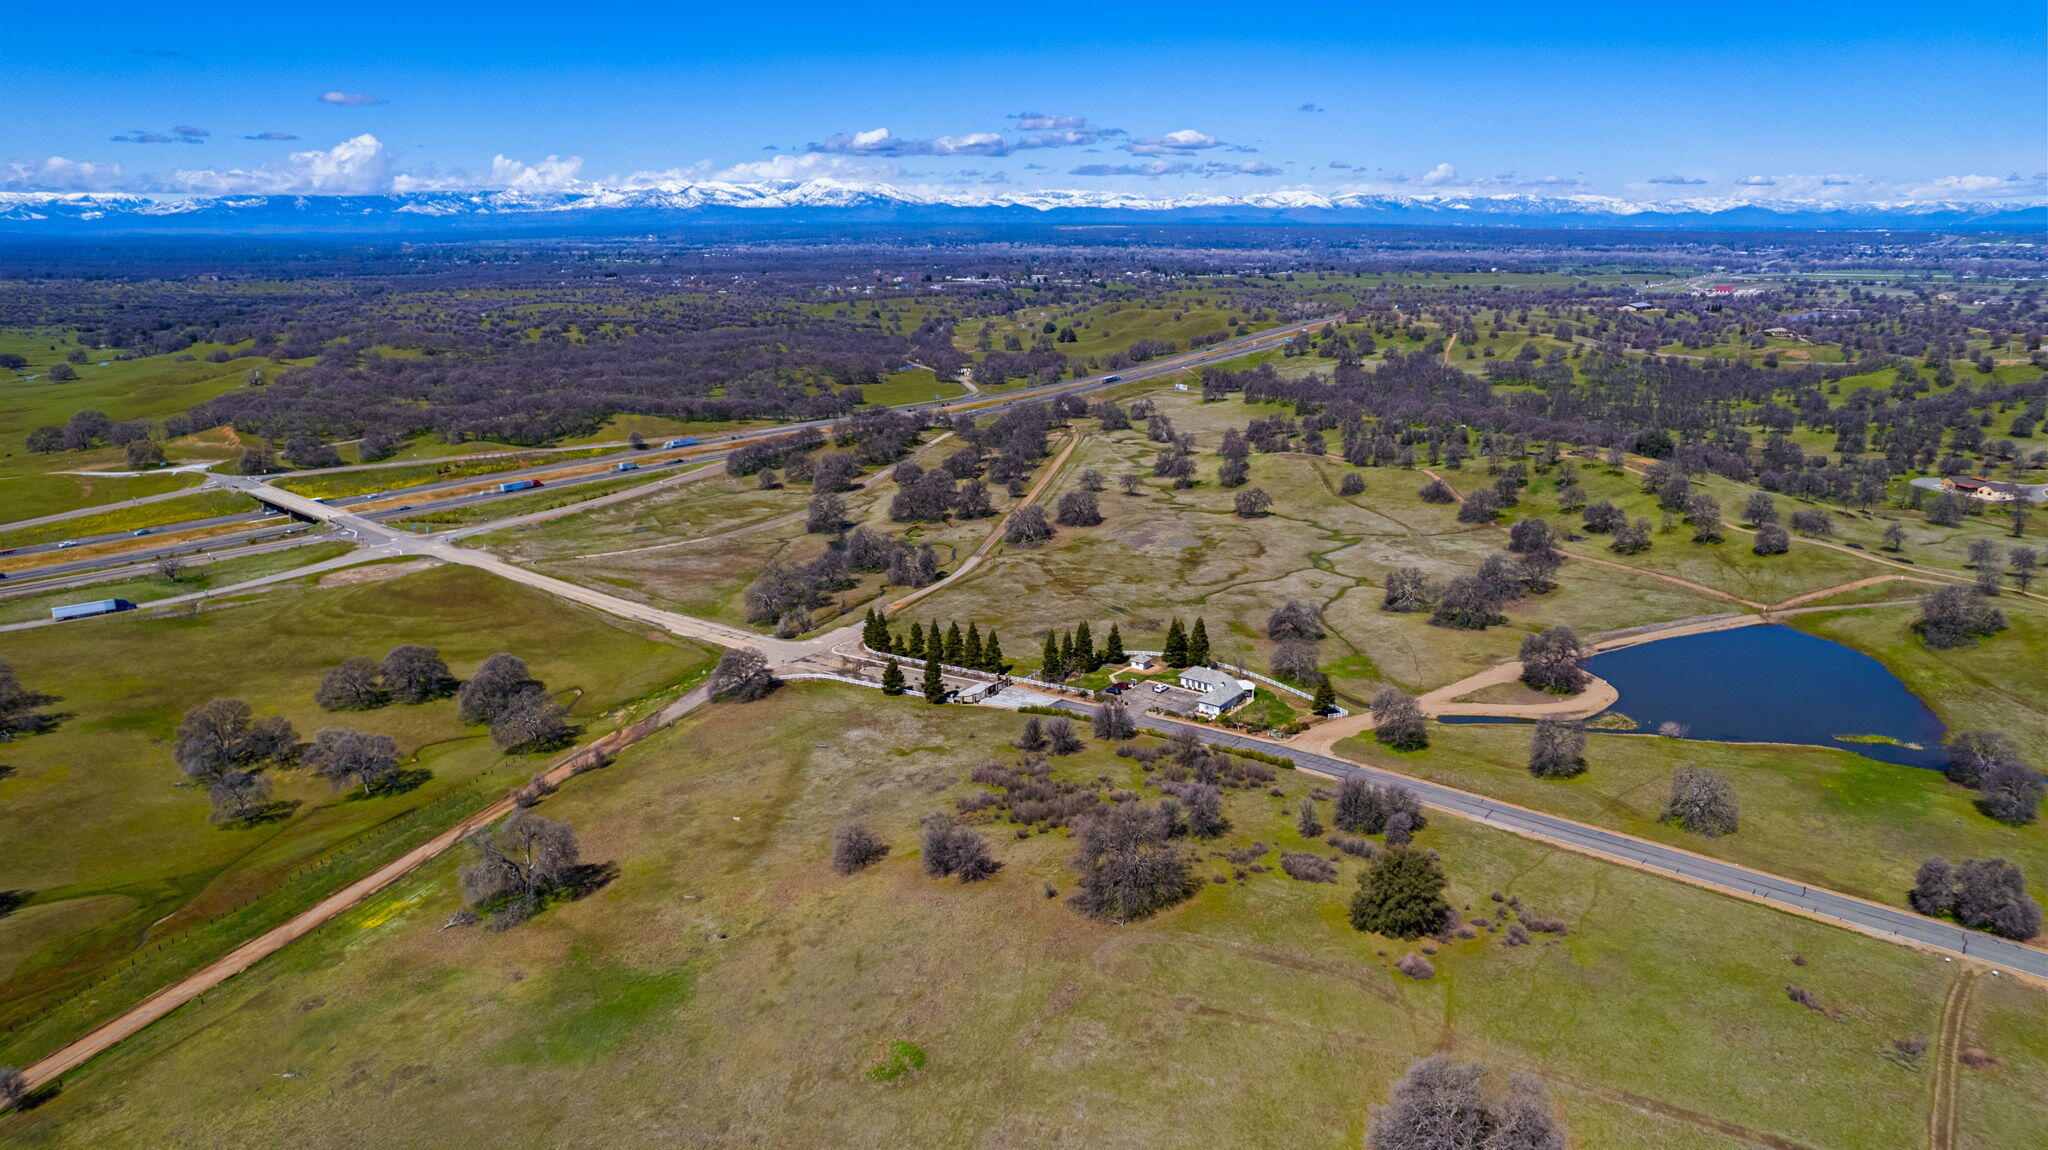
point(1865, 101)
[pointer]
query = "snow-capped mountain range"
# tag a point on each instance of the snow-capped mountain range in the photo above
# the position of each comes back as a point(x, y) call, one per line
point(596, 209)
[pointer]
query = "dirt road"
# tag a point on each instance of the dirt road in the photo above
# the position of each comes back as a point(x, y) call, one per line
point(170, 998)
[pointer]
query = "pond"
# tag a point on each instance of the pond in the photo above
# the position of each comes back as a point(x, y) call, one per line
point(1773, 684)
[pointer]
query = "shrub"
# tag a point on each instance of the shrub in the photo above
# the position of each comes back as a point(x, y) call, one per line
point(1128, 870)
point(1308, 867)
point(855, 848)
point(1416, 967)
point(1353, 845)
point(1439, 1104)
point(951, 849)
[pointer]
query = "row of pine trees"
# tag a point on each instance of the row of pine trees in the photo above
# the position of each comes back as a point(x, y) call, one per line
point(1067, 653)
point(950, 646)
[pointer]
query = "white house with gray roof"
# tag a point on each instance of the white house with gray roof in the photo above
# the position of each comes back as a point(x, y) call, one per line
point(1219, 692)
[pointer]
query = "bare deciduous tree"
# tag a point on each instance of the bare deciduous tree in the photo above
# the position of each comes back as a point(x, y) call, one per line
point(516, 864)
point(1702, 801)
point(742, 676)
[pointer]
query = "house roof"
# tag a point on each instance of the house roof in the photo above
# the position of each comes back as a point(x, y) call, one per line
point(1219, 690)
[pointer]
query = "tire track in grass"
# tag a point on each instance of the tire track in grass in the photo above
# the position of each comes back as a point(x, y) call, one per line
point(1942, 1119)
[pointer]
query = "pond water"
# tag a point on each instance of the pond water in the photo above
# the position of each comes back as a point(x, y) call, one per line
point(1773, 684)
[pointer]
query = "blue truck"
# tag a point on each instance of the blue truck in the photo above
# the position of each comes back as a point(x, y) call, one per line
point(86, 610)
point(519, 485)
point(628, 465)
point(686, 441)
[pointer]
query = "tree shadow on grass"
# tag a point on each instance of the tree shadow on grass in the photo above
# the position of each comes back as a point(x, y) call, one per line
point(398, 783)
point(587, 879)
point(13, 900)
point(271, 812)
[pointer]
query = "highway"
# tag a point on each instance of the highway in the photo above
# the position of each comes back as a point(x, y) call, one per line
point(711, 450)
point(827, 656)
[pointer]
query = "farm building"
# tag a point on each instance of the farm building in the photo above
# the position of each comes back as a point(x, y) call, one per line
point(1219, 692)
point(1979, 488)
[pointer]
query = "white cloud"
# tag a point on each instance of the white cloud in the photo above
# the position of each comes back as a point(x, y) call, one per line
point(2012, 186)
point(808, 166)
point(1680, 181)
point(1756, 182)
point(882, 142)
point(58, 174)
point(1438, 176)
point(1178, 143)
point(349, 99)
point(550, 175)
point(1149, 168)
point(1058, 131)
point(355, 166)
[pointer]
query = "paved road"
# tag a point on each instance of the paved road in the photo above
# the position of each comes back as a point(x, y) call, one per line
point(713, 449)
point(1857, 914)
point(717, 445)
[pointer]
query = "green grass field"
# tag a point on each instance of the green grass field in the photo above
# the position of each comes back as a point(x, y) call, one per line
point(130, 882)
point(728, 987)
point(742, 528)
point(200, 505)
point(1163, 554)
point(1812, 814)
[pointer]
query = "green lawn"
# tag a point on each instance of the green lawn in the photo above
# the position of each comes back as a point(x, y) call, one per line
point(726, 973)
point(132, 884)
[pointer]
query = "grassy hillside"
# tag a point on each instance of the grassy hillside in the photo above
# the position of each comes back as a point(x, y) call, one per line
point(726, 987)
point(130, 882)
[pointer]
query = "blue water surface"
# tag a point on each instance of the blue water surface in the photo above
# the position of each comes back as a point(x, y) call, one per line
point(1772, 684)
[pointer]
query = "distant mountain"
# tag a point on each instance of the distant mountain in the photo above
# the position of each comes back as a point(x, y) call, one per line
point(599, 210)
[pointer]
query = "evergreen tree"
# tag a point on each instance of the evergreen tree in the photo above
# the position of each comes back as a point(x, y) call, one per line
point(1400, 895)
point(1051, 673)
point(1067, 657)
point(1326, 697)
point(1176, 654)
point(1113, 648)
point(913, 646)
point(1198, 645)
point(934, 687)
point(992, 654)
point(875, 632)
point(1084, 649)
point(970, 651)
point(892, 678)
point(956, 646)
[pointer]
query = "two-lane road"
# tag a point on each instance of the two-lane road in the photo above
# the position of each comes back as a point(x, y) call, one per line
point(1858, 914)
